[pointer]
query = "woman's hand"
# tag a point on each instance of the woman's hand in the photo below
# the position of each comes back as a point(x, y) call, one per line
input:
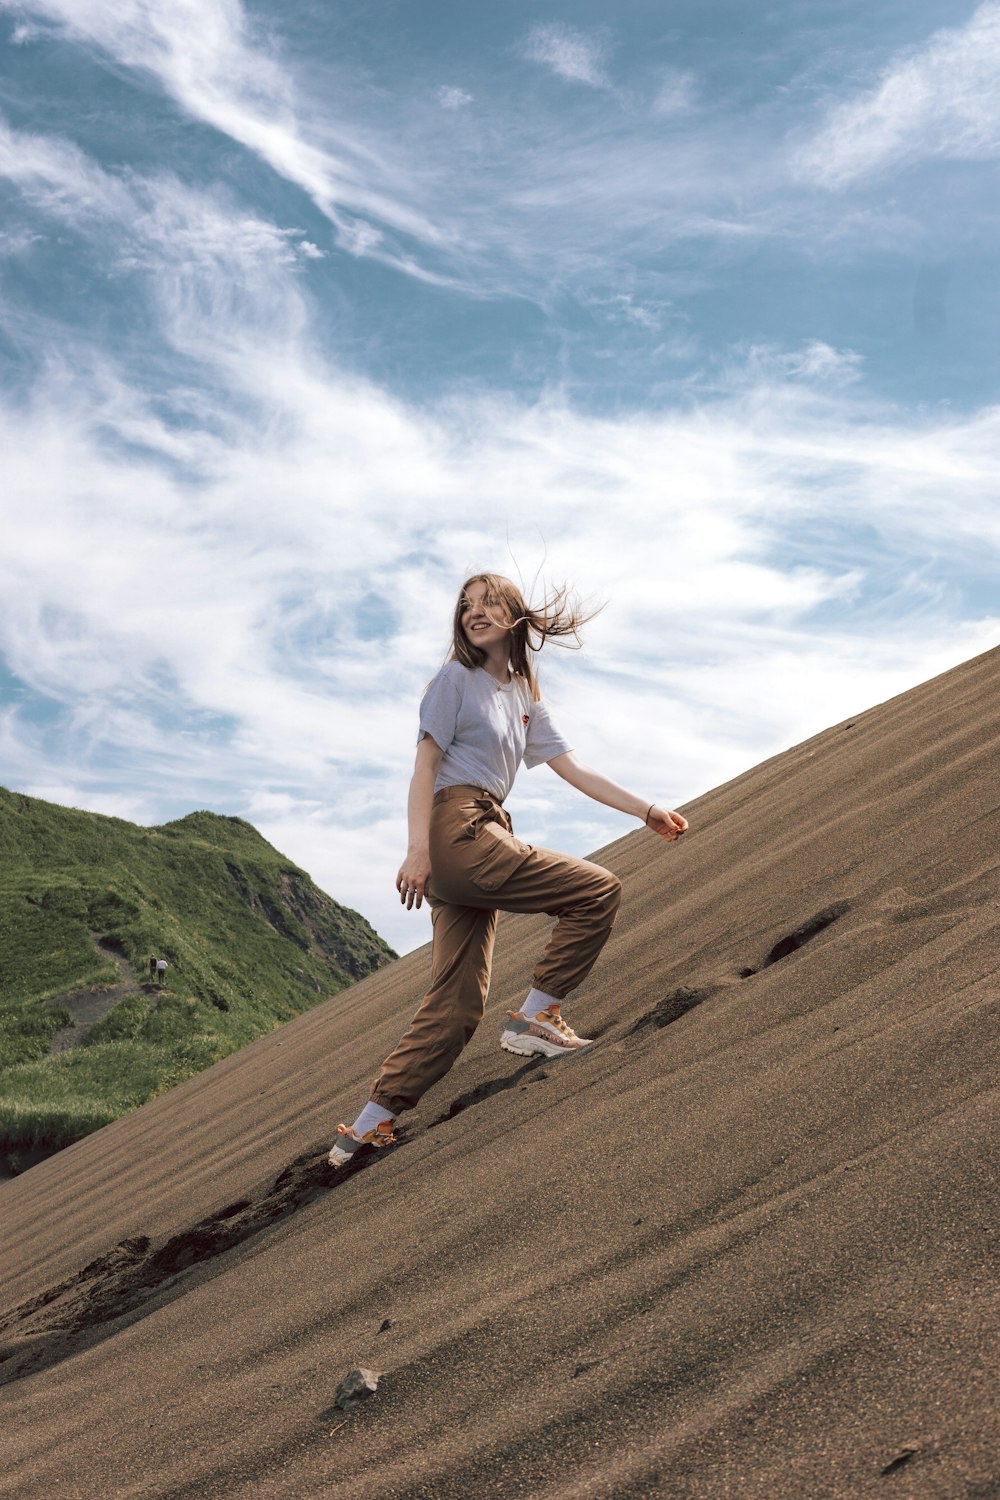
point(414, 877)
point(669, 825)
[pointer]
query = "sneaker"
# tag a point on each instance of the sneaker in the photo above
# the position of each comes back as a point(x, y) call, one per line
point(347, 1144)
point(547, 1033)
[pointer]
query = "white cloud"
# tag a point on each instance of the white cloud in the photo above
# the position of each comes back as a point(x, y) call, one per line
point(450, 97)
point(571, 54)
point(465, 209)
point(17, 242)
point(816, 363)
point(61, 179)
point(468, 209)
point(206, 57)
point(677, 94)
point(939, 101)
point(209, 263)
point(24, 33)
point(112, 805)
point(148, 217)
point(624, 305)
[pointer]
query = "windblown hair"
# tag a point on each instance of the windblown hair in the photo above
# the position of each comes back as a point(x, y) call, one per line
point(559, 617)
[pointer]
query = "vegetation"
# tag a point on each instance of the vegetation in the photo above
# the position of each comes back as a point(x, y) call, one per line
point(86, 900)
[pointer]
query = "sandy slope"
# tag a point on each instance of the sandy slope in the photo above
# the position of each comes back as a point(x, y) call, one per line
point(739, 1248)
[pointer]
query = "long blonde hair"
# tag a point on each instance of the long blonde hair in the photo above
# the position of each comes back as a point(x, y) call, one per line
point(559, 617)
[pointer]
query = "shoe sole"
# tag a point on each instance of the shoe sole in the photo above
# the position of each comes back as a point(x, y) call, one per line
point(533, 1046)
point(337, 1158)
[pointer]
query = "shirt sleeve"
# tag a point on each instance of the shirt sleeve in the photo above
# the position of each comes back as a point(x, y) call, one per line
point(439, 710)
point(543, 741)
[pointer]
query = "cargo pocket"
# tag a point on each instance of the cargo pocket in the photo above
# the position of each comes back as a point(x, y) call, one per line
point(499, 855)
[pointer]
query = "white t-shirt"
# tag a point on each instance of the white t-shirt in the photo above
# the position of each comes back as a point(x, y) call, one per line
point(485, 728)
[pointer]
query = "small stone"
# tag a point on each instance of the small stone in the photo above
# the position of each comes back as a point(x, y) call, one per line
point(356, 1386)
point(385, 1325)
point(903, 1457)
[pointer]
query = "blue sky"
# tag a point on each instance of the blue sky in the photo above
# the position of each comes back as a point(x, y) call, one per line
point(308, 311)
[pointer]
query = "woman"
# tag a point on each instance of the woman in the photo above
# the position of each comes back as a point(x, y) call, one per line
point(479, 718)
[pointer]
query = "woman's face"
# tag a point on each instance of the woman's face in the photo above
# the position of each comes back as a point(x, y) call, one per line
point(485, 621)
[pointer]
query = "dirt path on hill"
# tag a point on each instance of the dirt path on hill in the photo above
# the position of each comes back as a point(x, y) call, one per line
point(89, 1004)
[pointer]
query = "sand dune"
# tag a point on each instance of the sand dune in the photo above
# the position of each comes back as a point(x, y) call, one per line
point(742, 1247)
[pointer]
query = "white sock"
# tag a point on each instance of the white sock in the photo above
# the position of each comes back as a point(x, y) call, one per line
point(537, 1000)
point(372, 1115)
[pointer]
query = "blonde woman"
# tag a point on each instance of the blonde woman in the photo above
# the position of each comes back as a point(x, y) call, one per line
point(479, 719)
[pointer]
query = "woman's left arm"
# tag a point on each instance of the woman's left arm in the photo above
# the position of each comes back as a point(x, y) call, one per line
point(669, 825)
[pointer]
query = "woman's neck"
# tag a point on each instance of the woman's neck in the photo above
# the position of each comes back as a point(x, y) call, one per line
point(497, 663)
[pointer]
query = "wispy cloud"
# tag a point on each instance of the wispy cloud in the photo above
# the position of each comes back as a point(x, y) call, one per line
point(17, 241)
point(61, 179)
point(575, 55)
point(469, 220)
point(941, 100)
point(211, 269)
point(677, 93)
point(206, 57)
point(816, 362)
point(465, 210)
point(24, 33)
point(450, 97)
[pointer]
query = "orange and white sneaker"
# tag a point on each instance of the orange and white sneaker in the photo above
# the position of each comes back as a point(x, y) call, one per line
point(546, 1033)
point(348, 1144)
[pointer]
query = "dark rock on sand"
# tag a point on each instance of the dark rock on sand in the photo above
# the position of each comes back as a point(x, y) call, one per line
point(356, 1386)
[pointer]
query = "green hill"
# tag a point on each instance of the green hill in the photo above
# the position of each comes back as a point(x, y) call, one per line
point(85, 1032)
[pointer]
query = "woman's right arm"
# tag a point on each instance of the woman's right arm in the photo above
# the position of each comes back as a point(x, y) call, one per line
point(415, 871)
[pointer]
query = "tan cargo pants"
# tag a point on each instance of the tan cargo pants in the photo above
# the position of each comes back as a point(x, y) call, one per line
point(479, 868)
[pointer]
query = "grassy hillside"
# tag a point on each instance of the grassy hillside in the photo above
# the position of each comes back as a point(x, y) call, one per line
point(85, 901)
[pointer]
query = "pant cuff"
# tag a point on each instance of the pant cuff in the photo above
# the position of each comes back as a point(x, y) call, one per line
point(393, 1102)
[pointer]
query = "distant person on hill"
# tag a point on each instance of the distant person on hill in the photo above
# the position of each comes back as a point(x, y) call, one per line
point(161, 970)
point(152, 970)
point(480, 717)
